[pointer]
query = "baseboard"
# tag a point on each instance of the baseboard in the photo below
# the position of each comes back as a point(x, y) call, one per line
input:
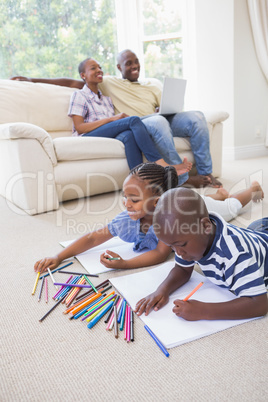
point(244, 152)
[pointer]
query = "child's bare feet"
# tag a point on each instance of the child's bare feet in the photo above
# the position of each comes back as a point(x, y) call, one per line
point(183, 167)
point(257, 192)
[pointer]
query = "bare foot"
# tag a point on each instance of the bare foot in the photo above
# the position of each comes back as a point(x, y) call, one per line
point(257, 192)
point(198, 181)
point(183, 167)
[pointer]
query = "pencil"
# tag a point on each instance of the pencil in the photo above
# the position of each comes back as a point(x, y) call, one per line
point(132, 326)
point(95, 313)
point(46, 290)
point(115, 323)
point(100, 315)
point(100, 303)
point(53, 280)
point(74, 285)
point(123, 316)
point(58, 292)
point(41, 288)
point(91, 284)
point(35, 283)
point(102, 284)
point(111, 311)
point(76, 273)
point(114, 258)
point(193, 291)
point(159, 344)
point(49, 311)
point(55, 270)
point(74, 293)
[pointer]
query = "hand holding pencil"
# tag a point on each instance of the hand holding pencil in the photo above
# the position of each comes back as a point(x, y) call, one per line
point(112, 260)
point(189, 310)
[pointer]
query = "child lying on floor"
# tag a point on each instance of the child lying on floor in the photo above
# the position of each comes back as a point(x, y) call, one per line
point(231, 257)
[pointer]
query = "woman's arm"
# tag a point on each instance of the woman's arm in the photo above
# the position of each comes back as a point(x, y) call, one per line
point(64, 82)
point(85, 242)
point(152, 257)
point(82, 127)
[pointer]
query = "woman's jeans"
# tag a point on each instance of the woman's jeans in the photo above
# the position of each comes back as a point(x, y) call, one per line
point(132, 132)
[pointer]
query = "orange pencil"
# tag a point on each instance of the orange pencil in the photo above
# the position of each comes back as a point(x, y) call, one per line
point(193, 291)
point(78, 308)
point(81, 301)
point(74, 292)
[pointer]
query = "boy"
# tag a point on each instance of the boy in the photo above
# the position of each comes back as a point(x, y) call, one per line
point(231, 257)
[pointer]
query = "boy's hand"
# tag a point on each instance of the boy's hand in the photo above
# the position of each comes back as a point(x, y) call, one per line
point(42, 265)
point(112, 260)
point(155, 300)
point(191, 310)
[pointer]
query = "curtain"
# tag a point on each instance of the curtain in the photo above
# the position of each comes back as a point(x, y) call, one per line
point(258, 14)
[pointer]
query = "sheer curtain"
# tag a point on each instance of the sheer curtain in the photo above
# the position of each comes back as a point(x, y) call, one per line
point(258, 13)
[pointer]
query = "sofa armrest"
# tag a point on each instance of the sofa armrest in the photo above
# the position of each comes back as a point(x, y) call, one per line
point(14, 131)
point(214, 117)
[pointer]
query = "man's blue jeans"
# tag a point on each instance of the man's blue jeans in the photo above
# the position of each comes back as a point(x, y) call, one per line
point(132, 132)
point(191, 125)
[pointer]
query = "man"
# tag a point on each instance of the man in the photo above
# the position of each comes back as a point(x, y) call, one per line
point(136, 98)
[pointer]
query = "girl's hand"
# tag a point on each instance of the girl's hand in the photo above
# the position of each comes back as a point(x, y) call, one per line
point(155, 300)
point(191, 310)
point(112, 260)
point(42, 265)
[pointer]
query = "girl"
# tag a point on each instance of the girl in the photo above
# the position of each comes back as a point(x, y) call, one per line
point(141, 189)
point(93, 116)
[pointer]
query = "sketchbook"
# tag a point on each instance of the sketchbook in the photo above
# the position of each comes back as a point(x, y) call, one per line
point(90, 259)
point(172, 330)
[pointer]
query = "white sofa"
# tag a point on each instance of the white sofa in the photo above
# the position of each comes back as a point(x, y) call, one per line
point(43, 165)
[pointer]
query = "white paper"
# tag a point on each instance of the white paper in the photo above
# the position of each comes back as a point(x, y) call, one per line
point(170, 329)
point(90, 259)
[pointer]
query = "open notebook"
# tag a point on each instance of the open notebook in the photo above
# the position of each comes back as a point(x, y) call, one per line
point(170, 329)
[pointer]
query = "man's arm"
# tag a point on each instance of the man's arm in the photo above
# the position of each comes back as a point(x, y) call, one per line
point(64, 82)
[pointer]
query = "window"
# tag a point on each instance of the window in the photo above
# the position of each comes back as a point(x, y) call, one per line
point(49, 38)
point(161, 27)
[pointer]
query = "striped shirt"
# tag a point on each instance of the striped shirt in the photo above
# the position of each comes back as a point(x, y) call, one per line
point(90, 106)
point(237, 260)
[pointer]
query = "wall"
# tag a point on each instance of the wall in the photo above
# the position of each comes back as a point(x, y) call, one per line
point(228, 76)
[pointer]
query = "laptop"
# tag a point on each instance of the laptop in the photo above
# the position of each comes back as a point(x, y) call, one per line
point(172, 98)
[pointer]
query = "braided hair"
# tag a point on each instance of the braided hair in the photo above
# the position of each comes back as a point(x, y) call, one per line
point(160, 178)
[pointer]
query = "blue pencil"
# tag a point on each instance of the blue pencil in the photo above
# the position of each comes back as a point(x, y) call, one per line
point(159, 344)
point(120, 312)
point(55, 270)
point(100, 315)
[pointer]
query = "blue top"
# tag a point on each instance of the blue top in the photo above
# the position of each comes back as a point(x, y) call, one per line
point(237, 259)
point(129, 231)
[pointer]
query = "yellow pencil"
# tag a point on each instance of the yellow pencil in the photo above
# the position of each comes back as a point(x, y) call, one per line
point(35, 283)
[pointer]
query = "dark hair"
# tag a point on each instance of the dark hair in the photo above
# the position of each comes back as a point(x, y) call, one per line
point(81, 67)
point(160, 178)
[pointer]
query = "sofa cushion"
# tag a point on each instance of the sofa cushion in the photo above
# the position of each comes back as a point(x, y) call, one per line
point(44, 105)
point(80, 148)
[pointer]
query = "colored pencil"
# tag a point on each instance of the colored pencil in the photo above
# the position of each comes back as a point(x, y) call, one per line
point(128, 332)
point(77, 273)
point(126, 323)
point(56, 270)
point(66, 289)
point(114, 258)
point(102, 284)
point(35, 283)
point(41, 288)
point(72, 284)
point(52, 278)
point(159, 344)
point(56, 294)
point(100, 315)
point(90, 283)
point(111, 311)
point(120, 312)
point(115, 323)
point(82, 305)
point(95, 313)
point(132, 326)
point(74, 292)
point(193, 291)
point(55, 305)
point(100, 303)
point(123, 316)
point(46, 290)
point(86, 309)
point(112, 319)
